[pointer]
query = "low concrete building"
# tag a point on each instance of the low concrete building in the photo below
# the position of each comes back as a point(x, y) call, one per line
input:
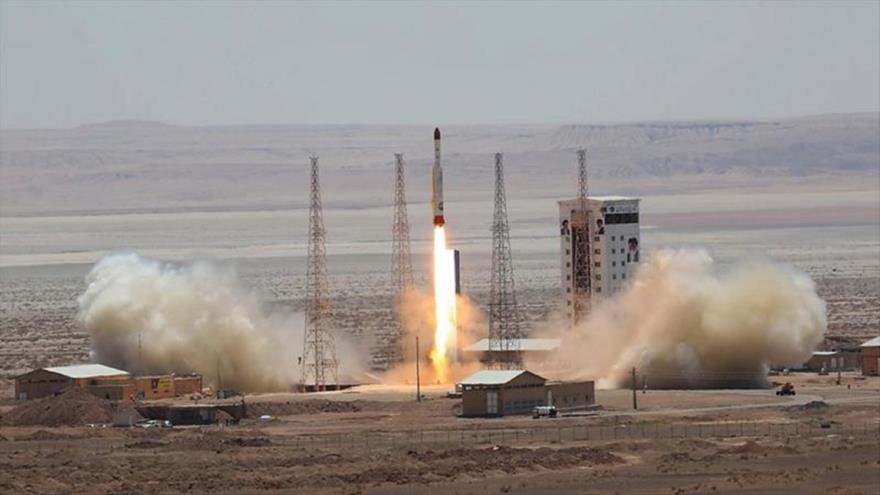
point(508, 392)
point(571, 396)
point(188, 384)
point(154, 387)
point(45, 382)
point(871, 357)
point(103, 381)
point(827, 360)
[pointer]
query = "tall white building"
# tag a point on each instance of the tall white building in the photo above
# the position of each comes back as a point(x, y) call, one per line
point(614, 245)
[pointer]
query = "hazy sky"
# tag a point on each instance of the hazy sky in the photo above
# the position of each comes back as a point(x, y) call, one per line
point(67, 63)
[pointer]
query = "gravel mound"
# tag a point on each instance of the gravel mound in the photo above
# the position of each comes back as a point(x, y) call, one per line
point(75, 407)
point(753, 447)
point(257, 409)
point(47, 435)
point(814, 405)
point(248, 442)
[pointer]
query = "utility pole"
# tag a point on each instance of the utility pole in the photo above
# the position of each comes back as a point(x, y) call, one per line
point(635, 404)
point(140, 365)
point(319, 365)
point(219, 383)
point(418, 376)
point(580, 231)
point(504, 331)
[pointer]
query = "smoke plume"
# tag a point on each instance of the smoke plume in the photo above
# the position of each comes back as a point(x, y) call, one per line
point(153, 317)
point(684, 323)
point(415, 310)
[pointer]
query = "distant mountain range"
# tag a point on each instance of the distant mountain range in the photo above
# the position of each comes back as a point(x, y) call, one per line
point(148, 166)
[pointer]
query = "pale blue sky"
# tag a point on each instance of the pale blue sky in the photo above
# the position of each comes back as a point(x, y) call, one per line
point(63, 64)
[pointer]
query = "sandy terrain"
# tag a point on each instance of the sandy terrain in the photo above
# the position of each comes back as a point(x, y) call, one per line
point(803, 192)
point(678, 442)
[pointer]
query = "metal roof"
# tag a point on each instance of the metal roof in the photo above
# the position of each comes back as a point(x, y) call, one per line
point(824, 353)
point(493, 377)
point(528, 345)
point(601, 199)
point(86, 371)
point(875, 342)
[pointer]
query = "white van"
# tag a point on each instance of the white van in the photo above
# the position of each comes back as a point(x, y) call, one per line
point(548, 411)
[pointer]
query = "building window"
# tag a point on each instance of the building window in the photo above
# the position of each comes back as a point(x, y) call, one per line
point(568, 251)
point(597, 251)
point(614, 276)
point(623, 275)
point(568, 277)
point(613, 238)
point(613, 263)
point(598, 289)
point(568, 289)
point(597, 264)
point(598, 276)
point(568, 302)
point(568, 264)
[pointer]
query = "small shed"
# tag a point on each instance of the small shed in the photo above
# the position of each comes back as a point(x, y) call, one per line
point(500, 392)
point(45, 382)
point(871, 357)
point(828, 360)
point(491, 393)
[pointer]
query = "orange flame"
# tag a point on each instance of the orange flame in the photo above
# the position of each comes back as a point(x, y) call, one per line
point(444, 348)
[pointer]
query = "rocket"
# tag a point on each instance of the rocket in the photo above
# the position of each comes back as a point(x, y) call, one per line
point(437, 183)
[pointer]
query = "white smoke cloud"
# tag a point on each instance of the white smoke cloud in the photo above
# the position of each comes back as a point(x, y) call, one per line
point(190, 318)
point(683, 323)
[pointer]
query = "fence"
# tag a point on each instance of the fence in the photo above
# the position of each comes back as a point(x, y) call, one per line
point(542, 434)
point(577, 433)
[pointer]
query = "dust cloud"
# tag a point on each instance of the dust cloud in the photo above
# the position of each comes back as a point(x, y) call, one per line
point(684, 323)
point(415, 310)
point(194, 317)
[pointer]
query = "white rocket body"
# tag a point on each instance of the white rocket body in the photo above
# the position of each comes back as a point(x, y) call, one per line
point(437, 183)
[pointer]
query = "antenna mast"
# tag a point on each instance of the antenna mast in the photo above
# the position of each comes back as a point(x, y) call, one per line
point(319, 365)
point(401, 266)
point(504, 329)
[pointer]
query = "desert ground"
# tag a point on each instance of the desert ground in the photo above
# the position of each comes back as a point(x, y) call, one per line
point(378, 439)
point(804, 193)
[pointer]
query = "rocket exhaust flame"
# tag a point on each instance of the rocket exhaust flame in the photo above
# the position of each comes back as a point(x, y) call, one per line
point(443, 352)
point(445, 345)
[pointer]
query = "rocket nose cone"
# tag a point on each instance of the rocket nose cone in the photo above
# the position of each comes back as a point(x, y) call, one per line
point(436, 134)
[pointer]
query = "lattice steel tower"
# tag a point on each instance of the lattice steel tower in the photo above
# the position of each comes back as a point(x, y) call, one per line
point(580, 231)
point(319, 365)
point(401, 264)
point(504, 329)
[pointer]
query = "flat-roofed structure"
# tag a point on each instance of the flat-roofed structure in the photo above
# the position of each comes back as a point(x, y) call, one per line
point(506, 392)
point(824, 360)
point(871, 357)
point(536, 351)
point(103, 381)
point(45, 382)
